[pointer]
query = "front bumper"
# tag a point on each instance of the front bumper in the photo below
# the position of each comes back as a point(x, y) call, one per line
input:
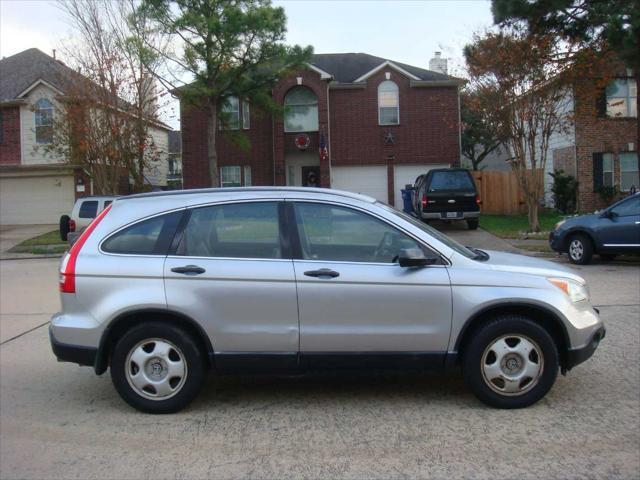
point(579, 355)
point(85, 356)
point(556, 241)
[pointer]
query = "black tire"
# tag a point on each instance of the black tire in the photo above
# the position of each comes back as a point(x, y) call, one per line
point(64, 227)
point(580, 249)
point(189, 352)
point(510, 326)
point(472, 223)
point(608, 257)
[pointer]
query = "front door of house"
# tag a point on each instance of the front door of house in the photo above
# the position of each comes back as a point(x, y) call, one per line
point(311, 176)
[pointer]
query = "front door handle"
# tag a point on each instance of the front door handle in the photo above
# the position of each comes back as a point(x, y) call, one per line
point(323, 272)
point(189, 270)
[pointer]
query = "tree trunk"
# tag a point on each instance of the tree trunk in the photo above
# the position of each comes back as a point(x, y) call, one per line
point(532, 208)
point(212, 155)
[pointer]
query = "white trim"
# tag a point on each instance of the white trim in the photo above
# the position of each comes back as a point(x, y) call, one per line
point(384, 64)
point(323, 75)
point(35, 84)
point(622, 244)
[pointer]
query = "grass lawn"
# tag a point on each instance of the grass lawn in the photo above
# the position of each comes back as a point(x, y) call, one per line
point(511, 226)
point(46, 243)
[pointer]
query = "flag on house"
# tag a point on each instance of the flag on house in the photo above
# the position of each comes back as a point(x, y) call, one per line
point(323, 151)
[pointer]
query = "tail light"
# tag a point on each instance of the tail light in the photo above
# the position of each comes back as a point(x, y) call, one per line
point(424, 200)
point(478, 201)
point(68, 267)
point(72, 225)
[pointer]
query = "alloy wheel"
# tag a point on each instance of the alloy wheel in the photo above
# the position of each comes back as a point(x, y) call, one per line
point(512, 364)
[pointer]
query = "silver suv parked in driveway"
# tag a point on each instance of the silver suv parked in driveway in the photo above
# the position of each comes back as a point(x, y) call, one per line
point(163, 287)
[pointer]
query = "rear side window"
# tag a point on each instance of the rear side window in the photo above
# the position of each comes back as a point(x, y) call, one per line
point(149, 237)
point(106, 203)
point(239, 230)
point(88, 209)
point(455, 180)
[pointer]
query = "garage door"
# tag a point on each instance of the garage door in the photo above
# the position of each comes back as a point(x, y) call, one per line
point(35, 200)
point(407, 174)
point(370, 180)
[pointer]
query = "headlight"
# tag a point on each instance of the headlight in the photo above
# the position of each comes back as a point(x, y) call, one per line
point(559, 224)
point(574, 290)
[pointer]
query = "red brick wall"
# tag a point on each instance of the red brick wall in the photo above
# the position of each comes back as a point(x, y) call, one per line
point(10, 136)
point(594, 135)
point(427, 133)
point(194, 148)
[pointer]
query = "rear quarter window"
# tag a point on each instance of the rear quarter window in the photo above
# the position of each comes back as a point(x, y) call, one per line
point(88, 209)
point(148, 237)
point(455, 180)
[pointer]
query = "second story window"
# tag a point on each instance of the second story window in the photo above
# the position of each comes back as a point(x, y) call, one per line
point(44, 121)
point(301, 110)
point(230, 114)
point(388, 103)
point(622, 98)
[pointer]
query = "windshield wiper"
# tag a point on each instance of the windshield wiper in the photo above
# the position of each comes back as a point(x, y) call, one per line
point(479, 254)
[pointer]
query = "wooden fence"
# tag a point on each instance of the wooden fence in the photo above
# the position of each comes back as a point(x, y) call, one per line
point(500, 192)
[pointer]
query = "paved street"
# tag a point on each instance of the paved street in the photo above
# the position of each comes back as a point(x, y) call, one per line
point(61, 421)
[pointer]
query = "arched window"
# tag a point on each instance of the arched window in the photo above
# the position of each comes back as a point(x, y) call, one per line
point(44, 121)
point(301, 110)
point(388, 103)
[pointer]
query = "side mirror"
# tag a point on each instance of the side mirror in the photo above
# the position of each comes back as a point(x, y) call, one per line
point(608, 214)
point(414, 257)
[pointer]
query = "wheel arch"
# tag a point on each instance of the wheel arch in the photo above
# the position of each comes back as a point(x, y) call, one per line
point(545, 317)
point(121, 324)
point(579, 231)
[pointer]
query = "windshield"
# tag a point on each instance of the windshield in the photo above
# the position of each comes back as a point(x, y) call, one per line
point(441, 237)
point(454, 180)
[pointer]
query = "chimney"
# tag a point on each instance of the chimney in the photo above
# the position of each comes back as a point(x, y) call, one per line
point(438, 64)
point(54, 53)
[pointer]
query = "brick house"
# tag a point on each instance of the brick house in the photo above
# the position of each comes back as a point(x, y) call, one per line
point(37, 187)
point(600, 149)
point(382, 123)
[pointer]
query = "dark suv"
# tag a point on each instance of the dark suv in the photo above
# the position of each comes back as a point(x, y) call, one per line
point(447, 194)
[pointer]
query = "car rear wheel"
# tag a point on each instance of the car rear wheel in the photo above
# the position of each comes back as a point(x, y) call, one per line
point(64, 227)
point(472, 223)
point(580, 249)
point(511, 362)
point(158, 368)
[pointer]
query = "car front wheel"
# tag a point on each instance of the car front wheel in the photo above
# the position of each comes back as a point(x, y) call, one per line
point(580, 249)
point(158, 368)
point(511, 362)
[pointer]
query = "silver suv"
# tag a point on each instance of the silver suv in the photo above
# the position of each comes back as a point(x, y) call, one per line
point(164, 287)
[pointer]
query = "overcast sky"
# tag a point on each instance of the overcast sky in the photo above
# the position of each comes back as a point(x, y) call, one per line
point(405, 31)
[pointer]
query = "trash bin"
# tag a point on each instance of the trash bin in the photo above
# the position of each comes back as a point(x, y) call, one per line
point(406, 199)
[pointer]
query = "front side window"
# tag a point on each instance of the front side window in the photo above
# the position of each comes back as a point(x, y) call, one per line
point(230, 114)
point(622, 98)
point(301, 110)
point(333, 233)
point(239, 230)
point(629, 207)
point(149, 237)
point(388, 103)
point(44, 121)
point(629, 171)
point(607, 169)
point(88, 209)
point(230, 176)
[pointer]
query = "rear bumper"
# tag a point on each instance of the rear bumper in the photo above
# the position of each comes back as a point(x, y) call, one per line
point(579, 355)
point(443, 215)
point(81, 355)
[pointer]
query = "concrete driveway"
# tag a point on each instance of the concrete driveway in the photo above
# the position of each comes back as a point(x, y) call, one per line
point(61, 421)
point(11, 235)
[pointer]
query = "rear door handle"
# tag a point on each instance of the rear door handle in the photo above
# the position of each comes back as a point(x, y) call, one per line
point(323, 272)
point(189, 270)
